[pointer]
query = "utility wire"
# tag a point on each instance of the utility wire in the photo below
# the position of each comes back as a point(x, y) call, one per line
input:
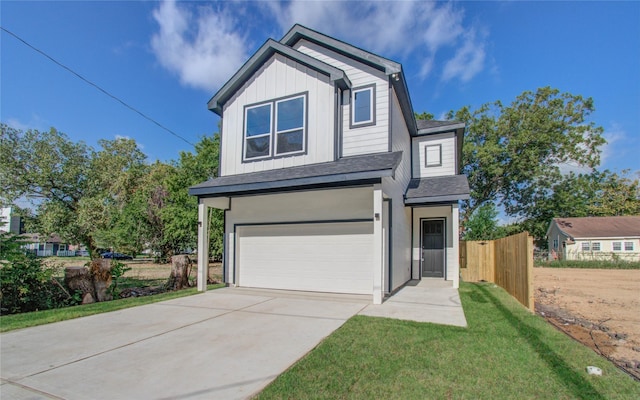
point(143, 115)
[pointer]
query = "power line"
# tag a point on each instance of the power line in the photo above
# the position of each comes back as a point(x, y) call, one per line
point(143, 115)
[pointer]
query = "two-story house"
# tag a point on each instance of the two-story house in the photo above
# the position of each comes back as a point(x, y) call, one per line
point(327, 181)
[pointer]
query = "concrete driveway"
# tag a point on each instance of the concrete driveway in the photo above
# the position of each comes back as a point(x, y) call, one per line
point(226, 343)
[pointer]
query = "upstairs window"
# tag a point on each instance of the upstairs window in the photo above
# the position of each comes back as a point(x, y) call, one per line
point(258, 132)
point(275, 128)
point(363, 106)
point(290, 118)
point(433, 155)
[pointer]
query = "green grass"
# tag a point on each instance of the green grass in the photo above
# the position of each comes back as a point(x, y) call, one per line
point(505, 353)
point(19, 321)
point(588, 264)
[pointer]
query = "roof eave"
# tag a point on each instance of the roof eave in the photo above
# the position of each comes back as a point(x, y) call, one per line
point(298, 32)
point(435, 199)
point(337, 179)
point(268, 49)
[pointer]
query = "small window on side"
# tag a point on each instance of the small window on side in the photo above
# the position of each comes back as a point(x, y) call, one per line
point(433, 155)
point(585, 246)
point(555, 244)
point(595, 246)
point(363, 106)
point(617, 246)
point(628, 246)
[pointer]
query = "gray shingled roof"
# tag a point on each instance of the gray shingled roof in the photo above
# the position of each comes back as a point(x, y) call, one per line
point(342, 171)
point(437, 189)
point(600, 227)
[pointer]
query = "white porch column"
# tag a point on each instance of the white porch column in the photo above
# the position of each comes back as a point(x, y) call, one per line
point(378, 245)
point(455, 225)
point(203, 246)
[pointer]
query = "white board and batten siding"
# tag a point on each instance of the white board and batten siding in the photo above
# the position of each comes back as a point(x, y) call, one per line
point(280, 77)
point(447, 141)
point(366, 139)
point(319, 240)
point(394, 187)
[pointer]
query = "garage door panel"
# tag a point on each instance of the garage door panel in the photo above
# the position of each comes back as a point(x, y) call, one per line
point(328, 257)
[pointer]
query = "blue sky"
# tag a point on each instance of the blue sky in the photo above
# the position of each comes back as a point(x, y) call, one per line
point(167, 59)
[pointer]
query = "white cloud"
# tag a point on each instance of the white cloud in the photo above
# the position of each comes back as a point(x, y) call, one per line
point(205, 44)
point(468, 60)
point(35, 122)
point(614, 136)
point(204, 47)
point(419, 30)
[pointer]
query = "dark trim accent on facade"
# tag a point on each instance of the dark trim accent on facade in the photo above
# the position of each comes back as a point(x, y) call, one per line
point(352, 125)
point(220, 147)
point(268, 49)
point(436, 199)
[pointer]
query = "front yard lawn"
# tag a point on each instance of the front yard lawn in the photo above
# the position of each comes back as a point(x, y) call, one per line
point(505, 353)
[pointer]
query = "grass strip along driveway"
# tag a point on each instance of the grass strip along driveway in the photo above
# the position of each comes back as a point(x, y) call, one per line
point(35, 318)
point(505, 353)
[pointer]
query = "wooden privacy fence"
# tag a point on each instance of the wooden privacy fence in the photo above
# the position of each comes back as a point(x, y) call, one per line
point(507, 262)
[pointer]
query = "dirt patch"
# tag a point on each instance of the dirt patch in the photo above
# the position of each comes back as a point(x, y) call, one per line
point(149, 277)
point(598, 307)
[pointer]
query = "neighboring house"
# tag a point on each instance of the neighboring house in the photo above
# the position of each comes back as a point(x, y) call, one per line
point(595, 238)
point(327, 181)
point(9, 222)
point(45, 246)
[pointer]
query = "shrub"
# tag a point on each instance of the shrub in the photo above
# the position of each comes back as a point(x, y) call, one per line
point(25, 283)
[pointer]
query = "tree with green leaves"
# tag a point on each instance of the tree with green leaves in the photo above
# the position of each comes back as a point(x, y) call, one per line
point(512, 153)
point(180, 215)
point(78, 189)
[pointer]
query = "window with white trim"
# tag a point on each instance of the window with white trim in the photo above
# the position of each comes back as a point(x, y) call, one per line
point(433, 155)
point(363, 106)
point(595, 246)
point(628, 246)
point(275, 128)
point(617, 246)
point(555, 244)
point(585, 246)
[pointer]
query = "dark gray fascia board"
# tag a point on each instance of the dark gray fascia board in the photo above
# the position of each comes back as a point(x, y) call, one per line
point(269, 48)
point(289, 183)
point(298, 32)
point(454, 125)
point(385, 65)
point(436, 199)
point(401, 88)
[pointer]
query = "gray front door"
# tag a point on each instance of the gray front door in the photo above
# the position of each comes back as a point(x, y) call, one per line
point(433, 248)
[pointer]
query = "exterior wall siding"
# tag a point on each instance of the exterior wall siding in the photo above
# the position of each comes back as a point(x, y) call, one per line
point(280, 77)
point(394, 188)
point(448, 167)
point(367, 139)
point(606, 252)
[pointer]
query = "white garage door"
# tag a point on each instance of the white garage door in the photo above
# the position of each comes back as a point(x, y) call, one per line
point(323, 257)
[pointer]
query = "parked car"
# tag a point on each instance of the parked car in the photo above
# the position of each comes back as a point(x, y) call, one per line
point(116, 256)
point(82, 253)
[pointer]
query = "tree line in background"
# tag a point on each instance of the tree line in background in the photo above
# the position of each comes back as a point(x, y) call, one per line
point(537, 158)
point(108, 197)
point(520, 157)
